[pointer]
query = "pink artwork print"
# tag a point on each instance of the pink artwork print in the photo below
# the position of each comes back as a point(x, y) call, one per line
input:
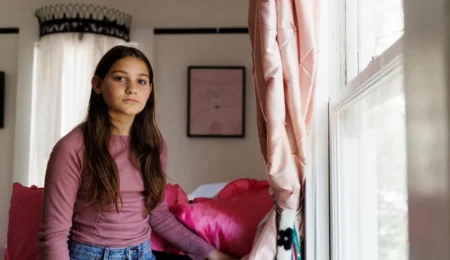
point(216, 101)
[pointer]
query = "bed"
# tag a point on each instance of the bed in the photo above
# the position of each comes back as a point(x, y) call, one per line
point(217, 212)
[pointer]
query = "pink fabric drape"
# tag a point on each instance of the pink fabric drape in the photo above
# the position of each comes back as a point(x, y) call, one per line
point(283, 36)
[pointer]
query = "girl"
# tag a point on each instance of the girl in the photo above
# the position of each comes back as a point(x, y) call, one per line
point(105, 181)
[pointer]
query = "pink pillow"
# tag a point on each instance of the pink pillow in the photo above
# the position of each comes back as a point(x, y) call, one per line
point(228, 224)
point(7, 255)
point(242, 186)
point(25, 214)
point(174, 195)
point(157, 243)
point(24, 217)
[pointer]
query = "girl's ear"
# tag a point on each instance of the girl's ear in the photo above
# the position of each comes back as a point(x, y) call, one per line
point(96, 83)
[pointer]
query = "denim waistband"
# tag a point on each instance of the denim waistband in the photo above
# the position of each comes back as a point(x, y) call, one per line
point(86, 251)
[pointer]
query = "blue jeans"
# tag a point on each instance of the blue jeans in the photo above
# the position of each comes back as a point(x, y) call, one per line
point(79, 251)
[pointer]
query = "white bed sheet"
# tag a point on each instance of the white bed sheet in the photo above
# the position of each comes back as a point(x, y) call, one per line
point(208, 190)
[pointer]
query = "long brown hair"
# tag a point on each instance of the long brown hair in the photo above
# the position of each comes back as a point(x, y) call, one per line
point(145, 142)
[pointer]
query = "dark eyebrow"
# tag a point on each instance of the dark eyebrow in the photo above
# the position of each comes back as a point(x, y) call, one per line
point(124, 72)
point(143, 74)
point(121, 71)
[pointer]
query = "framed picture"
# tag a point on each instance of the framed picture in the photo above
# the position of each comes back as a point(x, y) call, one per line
point(216, 101)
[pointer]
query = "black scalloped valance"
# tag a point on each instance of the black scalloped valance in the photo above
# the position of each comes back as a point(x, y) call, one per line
point(81, 18)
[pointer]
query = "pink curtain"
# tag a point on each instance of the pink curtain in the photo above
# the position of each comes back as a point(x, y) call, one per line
point(283, 36)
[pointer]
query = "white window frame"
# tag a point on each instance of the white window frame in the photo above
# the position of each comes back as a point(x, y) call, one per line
point(317, 179)
point(352, 32)
point(391, 61)
point(350, 27)
point(346, 83)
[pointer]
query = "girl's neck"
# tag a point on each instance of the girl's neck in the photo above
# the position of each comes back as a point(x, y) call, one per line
point(121, 124)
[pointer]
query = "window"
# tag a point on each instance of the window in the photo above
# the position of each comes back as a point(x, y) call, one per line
point(368, 136)
point(372, 26)
point(63, 68)
point(371, 161)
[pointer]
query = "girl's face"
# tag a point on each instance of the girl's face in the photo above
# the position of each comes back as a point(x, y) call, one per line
point(126, 88)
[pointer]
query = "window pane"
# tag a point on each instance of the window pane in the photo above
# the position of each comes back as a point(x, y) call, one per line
point(371, 174)
point(371, 27)
point(380, 25)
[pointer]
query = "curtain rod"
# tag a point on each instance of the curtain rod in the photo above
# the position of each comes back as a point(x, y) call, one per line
point(11, 30)
point(204, 30)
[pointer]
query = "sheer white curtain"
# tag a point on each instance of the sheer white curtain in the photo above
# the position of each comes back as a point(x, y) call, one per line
point(64, 65)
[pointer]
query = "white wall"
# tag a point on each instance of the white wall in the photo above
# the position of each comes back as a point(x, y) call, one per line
point(8, 64)
point(194, 161)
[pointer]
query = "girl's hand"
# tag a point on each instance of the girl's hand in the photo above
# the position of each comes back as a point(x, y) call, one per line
point(217, 255)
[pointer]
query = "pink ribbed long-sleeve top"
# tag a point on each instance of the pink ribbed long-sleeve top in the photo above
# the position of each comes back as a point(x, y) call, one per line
point(65, 215)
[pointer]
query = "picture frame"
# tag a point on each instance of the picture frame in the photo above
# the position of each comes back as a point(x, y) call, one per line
point(216, 101)
point(2, 99)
